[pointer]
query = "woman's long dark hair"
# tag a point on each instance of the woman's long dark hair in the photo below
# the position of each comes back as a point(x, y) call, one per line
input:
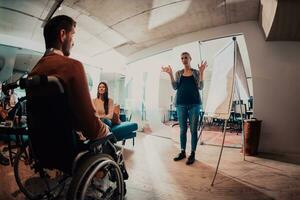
point(104, 97)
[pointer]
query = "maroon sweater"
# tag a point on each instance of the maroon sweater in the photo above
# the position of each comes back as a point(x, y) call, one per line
point(73, 77)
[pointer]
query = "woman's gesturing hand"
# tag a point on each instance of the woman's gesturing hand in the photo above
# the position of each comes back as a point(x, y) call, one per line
point(202, 66)
point(167, 69)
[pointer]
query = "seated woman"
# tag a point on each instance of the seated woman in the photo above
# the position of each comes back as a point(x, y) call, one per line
point(3, 116)
point(12, 110)
point(7, 112)
point(104, 106)
point(10, 100)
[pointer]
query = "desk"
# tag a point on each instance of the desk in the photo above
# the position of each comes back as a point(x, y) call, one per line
point(249, 113)
point(18, 131)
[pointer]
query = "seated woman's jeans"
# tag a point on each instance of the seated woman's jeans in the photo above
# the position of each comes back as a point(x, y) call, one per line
point(192, 113)
point(107, 122)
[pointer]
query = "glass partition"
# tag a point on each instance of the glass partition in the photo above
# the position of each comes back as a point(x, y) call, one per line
point(142, 80)
point(116, 88)
point(15, 63)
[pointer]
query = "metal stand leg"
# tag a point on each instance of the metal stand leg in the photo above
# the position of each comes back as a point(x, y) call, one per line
point(224, 133)
point(242, 116)
point(200, 134)
point(201, 127)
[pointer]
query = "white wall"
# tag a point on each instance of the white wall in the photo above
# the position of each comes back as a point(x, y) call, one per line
point(276, 86)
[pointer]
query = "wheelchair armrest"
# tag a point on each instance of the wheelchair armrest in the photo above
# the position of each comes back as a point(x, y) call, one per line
point(95, 145)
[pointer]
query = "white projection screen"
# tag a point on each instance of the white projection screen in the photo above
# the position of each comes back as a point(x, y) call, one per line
point(221, 86)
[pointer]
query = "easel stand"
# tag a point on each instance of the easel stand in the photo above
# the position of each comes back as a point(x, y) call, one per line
point(226, 120)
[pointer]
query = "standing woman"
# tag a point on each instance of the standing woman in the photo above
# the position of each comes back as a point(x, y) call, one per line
point(104, 106)
point(187, 82)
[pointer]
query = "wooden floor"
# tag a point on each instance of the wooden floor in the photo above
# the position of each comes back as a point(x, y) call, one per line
point(154, 174)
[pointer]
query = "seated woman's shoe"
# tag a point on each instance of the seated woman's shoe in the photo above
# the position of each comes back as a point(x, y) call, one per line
point(191, 159)
point(3, 160)
point(180, 156)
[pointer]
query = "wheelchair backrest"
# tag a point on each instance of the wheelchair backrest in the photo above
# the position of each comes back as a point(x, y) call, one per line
point(50, 124)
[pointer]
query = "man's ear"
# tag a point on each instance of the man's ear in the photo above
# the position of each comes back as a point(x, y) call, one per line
point(62, 35)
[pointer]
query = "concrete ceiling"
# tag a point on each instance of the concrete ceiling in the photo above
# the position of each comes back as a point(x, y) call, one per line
point(127, 25)
point(106, 28)
point(143, 23)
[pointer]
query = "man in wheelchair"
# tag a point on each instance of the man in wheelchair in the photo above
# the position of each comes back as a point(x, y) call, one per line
point(58, 106)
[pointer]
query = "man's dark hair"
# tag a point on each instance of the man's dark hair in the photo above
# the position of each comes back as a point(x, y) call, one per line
point(53, 28)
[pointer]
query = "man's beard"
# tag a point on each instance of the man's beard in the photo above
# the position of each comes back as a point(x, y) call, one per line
point(66, 48)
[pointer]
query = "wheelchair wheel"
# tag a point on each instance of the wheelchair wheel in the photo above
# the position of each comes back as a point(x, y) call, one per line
point(36, 183)
point(98, 177)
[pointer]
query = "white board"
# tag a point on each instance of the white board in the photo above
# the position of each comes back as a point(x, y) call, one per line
point(241, 77)
point(224, 74)
point(219, 98)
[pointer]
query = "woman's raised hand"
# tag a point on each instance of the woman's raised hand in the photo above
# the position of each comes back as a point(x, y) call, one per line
point(167, 69)
point(202, 66)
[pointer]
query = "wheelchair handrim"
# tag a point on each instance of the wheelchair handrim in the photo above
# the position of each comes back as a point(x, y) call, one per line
point(97, 168)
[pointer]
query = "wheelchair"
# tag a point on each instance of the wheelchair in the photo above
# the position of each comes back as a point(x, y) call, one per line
point(54, 158)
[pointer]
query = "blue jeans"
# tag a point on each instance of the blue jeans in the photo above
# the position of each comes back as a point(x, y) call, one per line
point(192, 113)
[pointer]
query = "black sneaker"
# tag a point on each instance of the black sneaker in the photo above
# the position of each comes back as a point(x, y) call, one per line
point(3, 160)
point(180, 156)
point(191, 159)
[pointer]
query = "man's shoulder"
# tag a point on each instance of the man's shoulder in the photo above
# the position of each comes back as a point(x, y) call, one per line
point(73, 61)
point(61, 60)
point(71, 64)
point(58, 65)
